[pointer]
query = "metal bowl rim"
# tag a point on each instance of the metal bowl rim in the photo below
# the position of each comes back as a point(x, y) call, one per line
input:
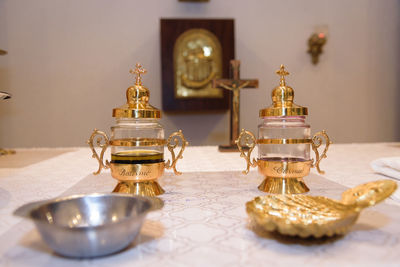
point(78, 196)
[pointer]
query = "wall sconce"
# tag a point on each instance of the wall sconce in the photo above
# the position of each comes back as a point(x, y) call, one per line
point(4, 95)
point(315, 44)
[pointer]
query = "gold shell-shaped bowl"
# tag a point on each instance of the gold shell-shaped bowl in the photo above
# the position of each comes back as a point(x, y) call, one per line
point(301, 215)
point(317, 216)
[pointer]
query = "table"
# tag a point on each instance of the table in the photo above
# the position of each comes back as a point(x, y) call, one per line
point(203, 222)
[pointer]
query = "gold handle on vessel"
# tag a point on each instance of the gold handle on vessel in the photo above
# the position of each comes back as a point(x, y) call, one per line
point(103, 145)
point(249, 140)
point(316, 143)
point(172, 143)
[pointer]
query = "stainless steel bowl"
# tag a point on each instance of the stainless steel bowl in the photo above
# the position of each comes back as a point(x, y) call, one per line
point(86, 226)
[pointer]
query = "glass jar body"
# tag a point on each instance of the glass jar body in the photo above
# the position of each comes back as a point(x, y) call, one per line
point(137, 141)
point(285, 127)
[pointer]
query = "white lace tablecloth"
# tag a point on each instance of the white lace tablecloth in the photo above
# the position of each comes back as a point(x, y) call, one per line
point(204, 221)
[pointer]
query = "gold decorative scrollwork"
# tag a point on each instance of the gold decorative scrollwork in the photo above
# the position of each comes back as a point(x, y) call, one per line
point(316, 143)
point(249, 140)
point(103, 137)
point(172, 143)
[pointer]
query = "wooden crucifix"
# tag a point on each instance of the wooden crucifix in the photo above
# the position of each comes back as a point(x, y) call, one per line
point(235, 84)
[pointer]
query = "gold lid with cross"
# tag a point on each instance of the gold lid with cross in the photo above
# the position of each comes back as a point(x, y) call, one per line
point(137, 98)
point(282, 98)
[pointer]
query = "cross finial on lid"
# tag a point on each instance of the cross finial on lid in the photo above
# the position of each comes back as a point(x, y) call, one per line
point(282, 72)
point(139, 70)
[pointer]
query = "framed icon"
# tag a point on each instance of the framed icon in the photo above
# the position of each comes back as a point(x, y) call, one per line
point(193, 53)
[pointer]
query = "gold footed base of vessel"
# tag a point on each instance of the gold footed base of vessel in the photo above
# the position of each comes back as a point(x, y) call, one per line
point(147, 188)
point(6, 152)
point(274, 185)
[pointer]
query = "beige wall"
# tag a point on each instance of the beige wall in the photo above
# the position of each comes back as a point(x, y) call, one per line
point(68, 65)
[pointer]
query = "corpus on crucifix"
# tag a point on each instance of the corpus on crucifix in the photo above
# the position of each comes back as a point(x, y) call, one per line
point(235, 84)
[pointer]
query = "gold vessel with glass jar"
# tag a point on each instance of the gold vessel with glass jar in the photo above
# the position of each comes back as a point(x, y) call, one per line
point(283, 143)
point(137, 143)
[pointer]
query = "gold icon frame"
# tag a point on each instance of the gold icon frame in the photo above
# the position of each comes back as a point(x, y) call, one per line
point(197, 61)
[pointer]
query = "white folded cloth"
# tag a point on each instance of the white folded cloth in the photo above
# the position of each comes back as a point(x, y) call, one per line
point(387, 166)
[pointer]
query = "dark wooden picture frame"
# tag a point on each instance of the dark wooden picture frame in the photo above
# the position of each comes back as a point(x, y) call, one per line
point(171, 29)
